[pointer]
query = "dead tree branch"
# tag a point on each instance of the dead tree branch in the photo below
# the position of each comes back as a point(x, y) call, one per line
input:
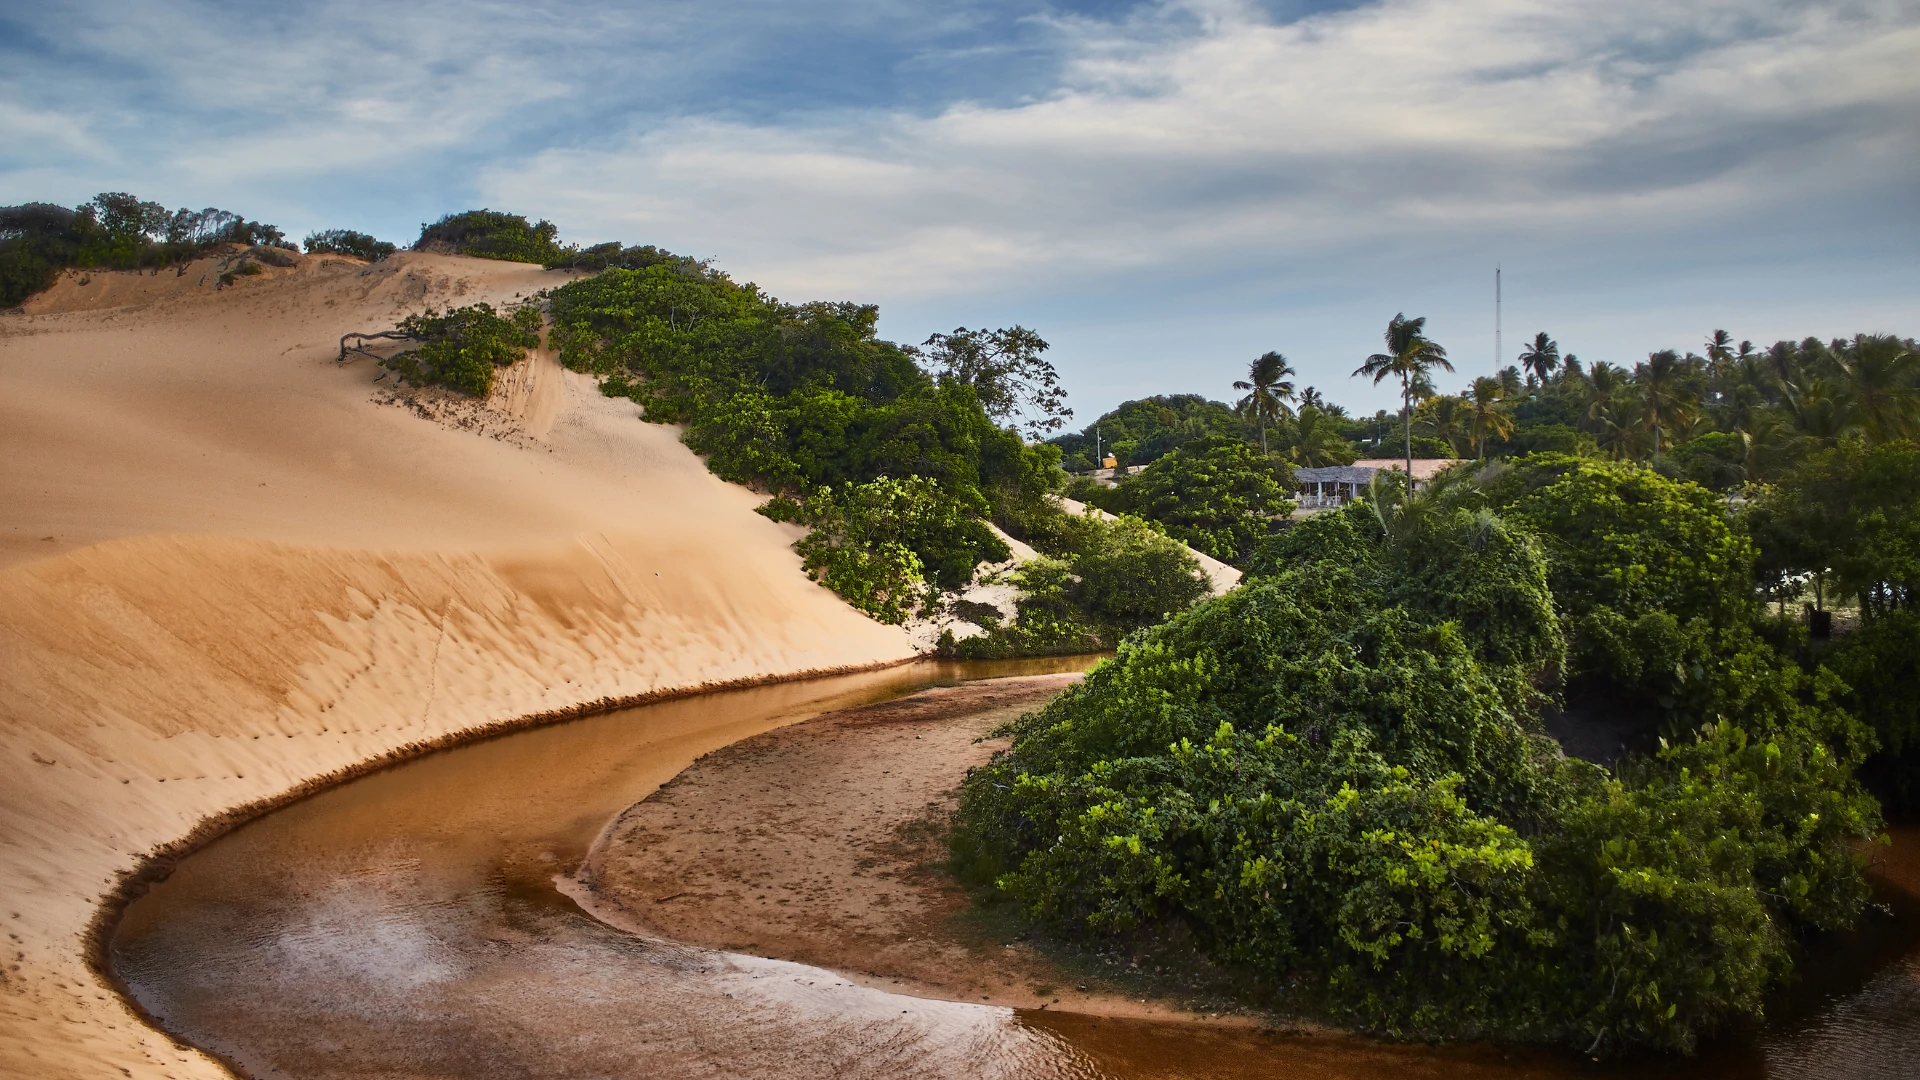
point(360, 345)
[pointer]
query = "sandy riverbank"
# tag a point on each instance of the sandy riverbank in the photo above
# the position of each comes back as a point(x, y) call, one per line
point(230, 569)
point(817, 843)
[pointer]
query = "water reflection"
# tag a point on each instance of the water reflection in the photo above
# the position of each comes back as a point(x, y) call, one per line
point(407, 924)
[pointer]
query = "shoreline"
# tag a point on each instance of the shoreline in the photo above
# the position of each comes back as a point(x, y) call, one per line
point(232, 577)
point(847, 866)
point(156, 866)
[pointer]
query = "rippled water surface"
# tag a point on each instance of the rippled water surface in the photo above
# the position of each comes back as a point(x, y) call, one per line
point(408, 924)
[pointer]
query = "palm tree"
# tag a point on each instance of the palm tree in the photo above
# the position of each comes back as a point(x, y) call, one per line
point(1664, 393)
point(1881, 374)
point(1409, 354)
point(1720, 347)
point(1448, 418)
point(1270, 389)
point(1316, 441)
point(1540, 359)
point(1509, 377)
point(1485, 414)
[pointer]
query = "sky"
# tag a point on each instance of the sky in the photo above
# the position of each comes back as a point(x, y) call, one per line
point(1164, 190)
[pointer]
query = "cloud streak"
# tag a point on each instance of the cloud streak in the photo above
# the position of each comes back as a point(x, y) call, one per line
point(1157, 186)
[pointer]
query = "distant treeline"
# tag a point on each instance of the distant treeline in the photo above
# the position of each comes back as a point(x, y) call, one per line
point(118, 231)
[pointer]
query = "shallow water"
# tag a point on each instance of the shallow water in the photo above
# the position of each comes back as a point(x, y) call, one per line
point(409, 924)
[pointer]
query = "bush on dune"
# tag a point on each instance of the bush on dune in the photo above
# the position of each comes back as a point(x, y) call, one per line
point(114, 230)
point(1097, 581)
point(795, 398)
point(348, 242)
point(1332, 777)
point(462, 348)
point(492, 234)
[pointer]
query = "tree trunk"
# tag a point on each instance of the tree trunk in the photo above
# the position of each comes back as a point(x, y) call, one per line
point(1406, 406)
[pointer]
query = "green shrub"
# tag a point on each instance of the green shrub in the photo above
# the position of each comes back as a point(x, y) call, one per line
point(462, 348)
point(880, 544)
point(1098, 581)
point(492, 234)
point(114, 230)
point(1131, 575)
point(1218, 495)
point(1330, 776)
point(1654, 575)
point(347, 242)
point(1850, 518)
point(791, 399)
point(1880, 663)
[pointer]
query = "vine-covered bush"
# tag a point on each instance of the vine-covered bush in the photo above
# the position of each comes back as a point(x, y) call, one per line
point(1098, 580)
point(1331, 777)
point(1220, 495)
point(347, 242)
point(462, 348)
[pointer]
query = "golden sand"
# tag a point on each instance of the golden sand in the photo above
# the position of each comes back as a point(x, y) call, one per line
point(231, 568)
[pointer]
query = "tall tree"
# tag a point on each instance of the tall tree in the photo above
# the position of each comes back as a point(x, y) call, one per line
point(1540, 359)
point(1720, 347)
point(1449, 418)
point(1486, 413)
point(1881, 376)
point(1410, 354)
point(1317, 440)
point(1664, 393)
point(1269, 391)
point(1006, 371)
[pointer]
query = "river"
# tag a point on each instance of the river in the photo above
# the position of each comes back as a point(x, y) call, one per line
point(409, 924)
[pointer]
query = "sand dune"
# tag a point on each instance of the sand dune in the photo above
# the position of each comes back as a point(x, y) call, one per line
point(230, 568)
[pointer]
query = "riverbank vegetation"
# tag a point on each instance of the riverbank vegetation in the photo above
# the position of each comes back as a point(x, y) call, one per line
point(1333, 776)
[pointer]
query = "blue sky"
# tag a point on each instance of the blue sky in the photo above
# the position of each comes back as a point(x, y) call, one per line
point(1164, 190)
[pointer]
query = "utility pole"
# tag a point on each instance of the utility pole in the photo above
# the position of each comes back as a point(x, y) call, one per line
point(1499, 353)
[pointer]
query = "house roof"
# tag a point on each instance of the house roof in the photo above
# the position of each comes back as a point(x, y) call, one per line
point(1423, 468)
point(1335, 474)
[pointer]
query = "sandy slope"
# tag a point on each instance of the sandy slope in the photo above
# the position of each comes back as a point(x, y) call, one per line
point(229, 567)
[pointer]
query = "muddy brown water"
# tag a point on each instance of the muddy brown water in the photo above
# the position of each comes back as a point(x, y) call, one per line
point(409, 924)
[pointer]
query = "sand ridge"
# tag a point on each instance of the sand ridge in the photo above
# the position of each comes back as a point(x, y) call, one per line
point(229, 569)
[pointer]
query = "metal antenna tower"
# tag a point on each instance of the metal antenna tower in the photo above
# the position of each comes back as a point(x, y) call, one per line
point(1499, 353)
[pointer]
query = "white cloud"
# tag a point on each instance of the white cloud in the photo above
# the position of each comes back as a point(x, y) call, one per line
point(1411, 121)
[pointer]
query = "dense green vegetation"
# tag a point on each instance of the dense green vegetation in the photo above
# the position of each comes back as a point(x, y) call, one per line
point(1140, 432)
point(1337, 777)
point(347, 242)
point(1218, 495)
point(1332, 776)
point(1101, 580)
point(492, 234)
point(112, 231)
point(894, 456)
point(464, 347)
point(1845, 524)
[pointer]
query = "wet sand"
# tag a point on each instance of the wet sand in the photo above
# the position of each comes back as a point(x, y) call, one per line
point(822, 843)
